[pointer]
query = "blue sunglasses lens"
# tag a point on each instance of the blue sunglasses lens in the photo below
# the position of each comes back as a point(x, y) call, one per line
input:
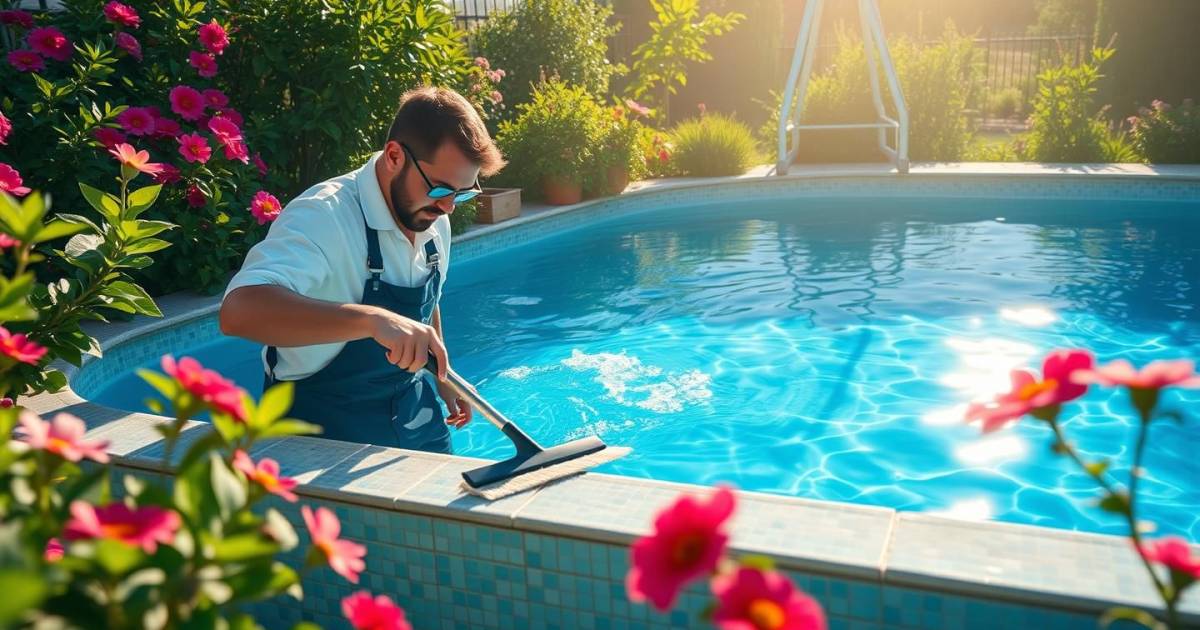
point(438, 192)
point(465, 196)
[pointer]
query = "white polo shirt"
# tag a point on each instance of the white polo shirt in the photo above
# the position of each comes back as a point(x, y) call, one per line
point(317, 247)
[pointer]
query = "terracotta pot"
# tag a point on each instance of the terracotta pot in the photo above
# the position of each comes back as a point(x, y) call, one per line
point(560, 190)
point(618, 179)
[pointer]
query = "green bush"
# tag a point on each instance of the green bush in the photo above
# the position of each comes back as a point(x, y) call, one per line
point(1166, 134)
point(463, 216)
point(938, 81)
point(557, 133)
point(567, 38)
point(1007, 103)
point(1066, 126)
point(713, 145)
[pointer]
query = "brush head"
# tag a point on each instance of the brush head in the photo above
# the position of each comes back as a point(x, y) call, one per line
point(518, 482)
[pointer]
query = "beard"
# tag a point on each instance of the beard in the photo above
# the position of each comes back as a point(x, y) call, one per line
point(413, 219)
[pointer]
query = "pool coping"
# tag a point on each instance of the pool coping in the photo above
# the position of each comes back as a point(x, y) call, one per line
point(1000, 561)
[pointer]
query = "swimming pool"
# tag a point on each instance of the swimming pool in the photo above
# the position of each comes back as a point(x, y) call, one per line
point(824, 347)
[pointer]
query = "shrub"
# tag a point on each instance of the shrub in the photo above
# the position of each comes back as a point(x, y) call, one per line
point(713, 145)
point(1065, 123)
point(1007, 103)
point(463, 216)
point(619, 140)
point(557, 133)
point(655, 147)
point(66, 115)
point(1166, 134)
point(567, 38)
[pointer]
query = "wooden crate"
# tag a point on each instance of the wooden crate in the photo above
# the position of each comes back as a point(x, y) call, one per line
point(499, 204)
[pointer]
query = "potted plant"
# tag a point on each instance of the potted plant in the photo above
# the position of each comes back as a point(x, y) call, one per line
point(618, 154)
point(552, 144)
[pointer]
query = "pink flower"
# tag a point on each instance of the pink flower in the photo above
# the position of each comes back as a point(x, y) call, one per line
point(108, 137)
point(7, 241)
point(236, 150)
point(224, 129)
point(166, 128)
point(215, 99)
point(496, 97)
point(143, 527)
point(5, 128)
point(494, 76)
point(265, 207)
point(187, 102)
point(63, 437)
point(1156, 375)
point(50, 42)
point(262, 166)
point(1173, 552)
point(687, 542)
point(195, 197)
point(750, 599)
point(213, 37)
point(203, 63)
point(121, 14)
point(10, 181)
point(373, 613)
point(234, 117)
point(663, 155)
point(1028, 394)
point(702, 107)
point(6, 403)
point(501, 73)
point(194, 148)
point(18, 347)
point(13, 17)
point(129, 44)
point(26, 61)
point(138, 121)
point(137, 160)
point(215, 391)
point(482, 63)
point(345, 557)
point(170, 174)
point(54, 550)
point(637, 108)
point(266, 474)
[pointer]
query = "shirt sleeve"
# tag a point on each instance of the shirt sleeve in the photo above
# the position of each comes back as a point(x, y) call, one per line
point(296, 254)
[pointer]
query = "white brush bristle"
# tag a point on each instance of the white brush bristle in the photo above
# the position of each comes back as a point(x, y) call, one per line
point(538, 478)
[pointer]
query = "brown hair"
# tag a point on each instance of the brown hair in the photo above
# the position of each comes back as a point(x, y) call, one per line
point(429, 116)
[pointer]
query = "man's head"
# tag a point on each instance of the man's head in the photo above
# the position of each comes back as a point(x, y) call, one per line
point(437, 140)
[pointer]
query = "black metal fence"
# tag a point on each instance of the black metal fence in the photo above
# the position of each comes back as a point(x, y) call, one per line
point(1013, 61)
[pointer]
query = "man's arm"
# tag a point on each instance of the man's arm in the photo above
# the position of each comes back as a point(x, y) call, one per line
point(276, 316)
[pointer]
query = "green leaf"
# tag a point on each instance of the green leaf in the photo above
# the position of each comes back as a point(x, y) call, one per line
point(141, 199)
point(133, 295)
point(760, 562)
point(280, 530)
point(14, 298)
point(56, 230)
point(260, 581)
point(117, 558)
point(289, 426)
point(228, 488)
point(1115, 503)
point(163, 384)
point(55, 381)
point(200, 448)
point(107, 205)
point(75, 218)
point(146, 246)
point(243, 547)
point(23, 592)
point(1097, 468)
point(1124, 613)
point(139, 229)
point(275, 402)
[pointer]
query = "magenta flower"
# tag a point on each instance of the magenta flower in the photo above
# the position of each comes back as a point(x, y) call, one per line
point(63, 437)
point(344, 557)
point(129, 44)
point(194, 148)
point(26, 61)
point(18, 347)
point(7, 241)
point(266, 474)
point(137, 160)
point(373, 613)
point(13, 17)
point(108, 137)
point(203, 63)
point(265, 207)
point(482, 63)
point(187, 102)
point(688, 540)
point(234, 116)
point(143, 527)
point(1175, 554)
point(1028, 394)
point(170, 174)
point(213, 37)
point(137, 121)
point(637, 108)
point(262, 166)
point(224, 129)
point(750, 599)
point(195, 197)
point(50, 42)
point(236, 150)
point(1156, 375)
point(166, 128)
point(6, 128)
point(215, 99)
point(215, 391)
point(54, 550)
point(10, 182)
point(121, 14)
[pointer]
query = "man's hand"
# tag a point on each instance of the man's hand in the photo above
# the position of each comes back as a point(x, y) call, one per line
point(408, 342)
point(459, 408)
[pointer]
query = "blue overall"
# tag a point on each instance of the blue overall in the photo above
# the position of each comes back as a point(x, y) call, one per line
point(360, 396)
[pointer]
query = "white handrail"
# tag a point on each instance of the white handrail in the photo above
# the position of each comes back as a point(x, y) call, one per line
point(796, 88)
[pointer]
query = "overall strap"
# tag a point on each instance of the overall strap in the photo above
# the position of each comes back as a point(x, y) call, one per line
point(431, 255)
point(374, 258)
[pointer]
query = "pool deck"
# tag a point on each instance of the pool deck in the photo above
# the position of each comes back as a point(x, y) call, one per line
point(897, 555)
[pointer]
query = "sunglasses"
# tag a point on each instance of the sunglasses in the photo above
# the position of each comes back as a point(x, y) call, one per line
point(439, 191)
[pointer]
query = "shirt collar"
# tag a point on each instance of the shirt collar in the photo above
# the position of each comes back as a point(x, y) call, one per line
point(375, 208)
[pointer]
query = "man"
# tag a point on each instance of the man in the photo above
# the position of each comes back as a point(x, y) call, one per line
point(344, 290)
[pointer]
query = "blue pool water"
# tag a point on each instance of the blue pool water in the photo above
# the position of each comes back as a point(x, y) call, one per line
point(825, 348)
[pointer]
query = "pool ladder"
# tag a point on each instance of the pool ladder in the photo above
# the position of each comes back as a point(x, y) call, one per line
point(874, 43)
